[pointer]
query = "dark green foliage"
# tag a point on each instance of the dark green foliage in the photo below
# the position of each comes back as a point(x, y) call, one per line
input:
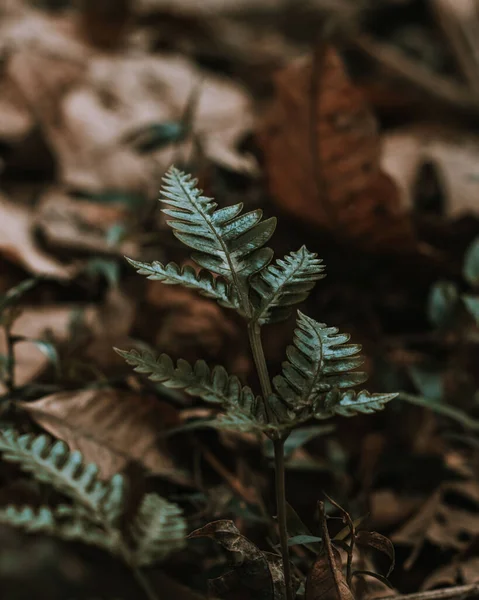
point(285, 283)
point(225, 241)
point(319, 361)
point(94, 517)
point(320, 365)
point(203, 281)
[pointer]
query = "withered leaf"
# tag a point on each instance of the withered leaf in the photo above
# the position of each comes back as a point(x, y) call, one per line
point(110, 428)
point(251, 575)
point(379, 542)
point(326, 580)
point(322, 150)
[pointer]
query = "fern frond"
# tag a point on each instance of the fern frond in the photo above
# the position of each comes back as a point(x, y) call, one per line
point(350, 403)
point(198, 380)
point(226, 242)
point(284, 284)
point(203, 281)
point(44, 520)
point(158, 530)
point(51, 462)
point(319, 361)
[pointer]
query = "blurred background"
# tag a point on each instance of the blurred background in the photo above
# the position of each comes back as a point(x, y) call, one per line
point(356, 123)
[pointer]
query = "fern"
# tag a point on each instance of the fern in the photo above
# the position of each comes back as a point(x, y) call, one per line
point(211, 385)
point(350, 403)
point(44, 520)
point(53, 463)
point(203, 281)
point(318, 362)
point(157, 530)
point(284, 284)
point(225, 241)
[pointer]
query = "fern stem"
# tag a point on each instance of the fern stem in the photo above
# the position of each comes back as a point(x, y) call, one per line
point(144, 583)
point(10, 365)
point(281, 513)
point(254, 334)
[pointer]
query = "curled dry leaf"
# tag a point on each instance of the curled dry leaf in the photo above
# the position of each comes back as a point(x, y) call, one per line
point(110, 428)
point(17, 242)
point(322, 151)
point(372, 539)
point(252, 575)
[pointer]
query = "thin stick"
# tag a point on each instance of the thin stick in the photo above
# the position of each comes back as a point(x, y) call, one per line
point(10, 367)
point(281, 511)
point(456, 592)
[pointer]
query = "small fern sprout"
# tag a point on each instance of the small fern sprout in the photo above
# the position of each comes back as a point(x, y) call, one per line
point(94, 518)
point(235, 269)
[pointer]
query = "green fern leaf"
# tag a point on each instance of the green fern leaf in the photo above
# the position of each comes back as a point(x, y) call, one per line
point(204, 282)
point(159, 529)
point(226, 242)
point(51, 462)
point(210, 385)
point(44, 520)
point(319, 361)
point(284, 284)
point(350, 403)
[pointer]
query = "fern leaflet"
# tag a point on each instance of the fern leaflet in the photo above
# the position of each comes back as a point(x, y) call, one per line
point(350, 403)
point(284, 284)
point(210, 385)
point(158, 530)
point(54, 464)
point(318, 362)
point(203, 281)
point(225, 242)
point(44, 520)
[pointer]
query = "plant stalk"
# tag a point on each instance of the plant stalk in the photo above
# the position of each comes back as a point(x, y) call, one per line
point(144, 583)
point(254, 333)
point(281, 513)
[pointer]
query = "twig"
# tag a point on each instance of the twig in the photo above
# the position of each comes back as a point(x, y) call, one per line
point(456, 592)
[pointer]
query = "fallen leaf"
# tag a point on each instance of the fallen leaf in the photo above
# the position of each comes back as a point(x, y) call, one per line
point(322, 151)
point(326, 580)
point(252, 575)
point(68, 223)
point(450, 156)
point(372, 539)
point(17, 242)
point(32, 323)
point(442, 522)
point(110, 428)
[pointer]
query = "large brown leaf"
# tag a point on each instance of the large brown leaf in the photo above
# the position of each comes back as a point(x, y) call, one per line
point(322, 149)
point(110, 428)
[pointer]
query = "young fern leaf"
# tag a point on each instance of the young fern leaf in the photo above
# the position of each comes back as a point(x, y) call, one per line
point(203, 281)
point(158, 530)
point(225, 242)
point(51, 462)
point(284, 284)
point(319, 361)
point(350, 403)
point(211, 385)
point(44, 520)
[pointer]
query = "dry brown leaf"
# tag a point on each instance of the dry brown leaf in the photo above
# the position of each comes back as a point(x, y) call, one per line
point(110, 428)
point(327, 172)
point(17, 242)
point(453, 155)
point(68, 223)
point(33, 323)
point(442, 523)
point(456, 573)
